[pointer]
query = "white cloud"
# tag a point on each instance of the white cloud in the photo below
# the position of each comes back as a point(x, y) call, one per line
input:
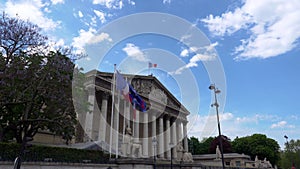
point(201, 57)
point(33, 13)
point(135, 53)
point(80, 14)
point(273, 27)
point(226, 116)
point(99, 38)
point(193, 49)
point(56, 44)
point(227, 23)
point(93, 22)
point(54, 2)
point(101, 15)
point(184, 38)
point(212, 46)
point(113, 4)
point(205, 53)
point(131, 2)
point(256, 118)
point(184, 53)
point(281, 124)
point(89, 37)
point(241, 126)
point(47, 10)
point(205, 126)
point(166, 1)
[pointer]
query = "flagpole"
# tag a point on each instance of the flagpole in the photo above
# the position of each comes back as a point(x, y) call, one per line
point(112, 110)
point(125, 115)
point(117, 125)
point(149, 68)
point(133, 119)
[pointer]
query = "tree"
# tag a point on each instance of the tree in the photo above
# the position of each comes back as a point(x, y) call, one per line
point(36, 94)
point(194, 145)
point(205, 145)
point(18, 36)
point(80, 100)
point(36, 88)
point(291, 154)
point(197, 147)
point(258, 145)
point(225, 143)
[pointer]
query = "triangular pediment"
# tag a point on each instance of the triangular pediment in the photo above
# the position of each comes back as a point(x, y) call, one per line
point(153, 90)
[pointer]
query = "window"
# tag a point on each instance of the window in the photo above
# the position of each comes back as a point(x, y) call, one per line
point(238, 163)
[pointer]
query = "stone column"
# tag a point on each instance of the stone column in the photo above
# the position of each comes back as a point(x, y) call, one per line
point(185, 145)
point(161, 138)
point(153, 135)
point(145, 135)
point(88, 127)
point(173, 138)
point(103, 123)
point(136, 125)
point(167, 138)
point(127, 113)
point(179, 130)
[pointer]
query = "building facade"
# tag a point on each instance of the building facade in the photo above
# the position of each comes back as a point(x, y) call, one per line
point(117, 127)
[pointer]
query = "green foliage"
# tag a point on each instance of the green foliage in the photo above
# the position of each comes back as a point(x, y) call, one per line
point(80, 101)
point(291, 154)
point(36, 86)
point(36, 94)
point(9, 151)
point(258, 145)
point(197, 147)
point(205, 144)
point(194, 145)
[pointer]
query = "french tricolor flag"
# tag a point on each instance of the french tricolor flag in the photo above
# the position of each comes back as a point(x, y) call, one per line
point(122, 85)
point(152, 65)
point(130, 94)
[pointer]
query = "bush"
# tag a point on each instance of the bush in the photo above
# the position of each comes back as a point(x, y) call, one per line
point(9, 151)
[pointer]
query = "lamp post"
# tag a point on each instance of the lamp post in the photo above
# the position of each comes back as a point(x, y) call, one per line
point(154, 143)
point(217, 91)
point(288, 146)
point(171, 145)
point(287, 142)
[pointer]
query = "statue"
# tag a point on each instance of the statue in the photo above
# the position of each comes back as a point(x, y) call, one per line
point(183, 155)
point(187, 157)
point(136, 148)
point(179, 150)
point(256, 158)
point(218, 152)
point(131, 147)
point(127, 144)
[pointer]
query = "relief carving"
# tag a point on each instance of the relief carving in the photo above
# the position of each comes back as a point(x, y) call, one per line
point(147, 88)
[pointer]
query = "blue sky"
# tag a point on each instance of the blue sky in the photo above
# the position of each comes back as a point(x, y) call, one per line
point(257, 42)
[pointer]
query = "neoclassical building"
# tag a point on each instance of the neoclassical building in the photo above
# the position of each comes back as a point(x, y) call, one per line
point(113, 123)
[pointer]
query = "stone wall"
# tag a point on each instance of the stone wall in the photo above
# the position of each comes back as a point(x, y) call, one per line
point(45, 165)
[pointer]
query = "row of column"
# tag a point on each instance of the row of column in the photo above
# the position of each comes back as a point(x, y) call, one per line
point(175, 133)
point(168, 134)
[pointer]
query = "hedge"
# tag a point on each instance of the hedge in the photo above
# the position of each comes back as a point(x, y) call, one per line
point(9, 151)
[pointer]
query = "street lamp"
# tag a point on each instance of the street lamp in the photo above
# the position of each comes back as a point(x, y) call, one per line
point(171, 145)
point(154, 143)
point(288, 147)
point(217, 91)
